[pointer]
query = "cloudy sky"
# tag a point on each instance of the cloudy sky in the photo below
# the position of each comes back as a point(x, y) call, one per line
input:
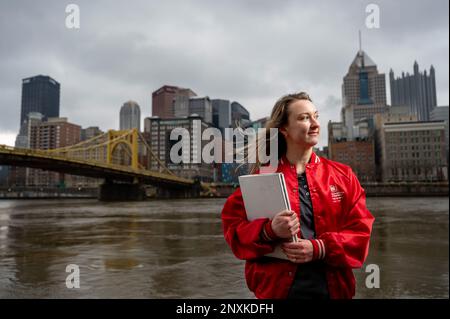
point(250, 51)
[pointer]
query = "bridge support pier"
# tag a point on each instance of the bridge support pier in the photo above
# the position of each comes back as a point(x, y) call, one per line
point(184, 192)
point(110, 191)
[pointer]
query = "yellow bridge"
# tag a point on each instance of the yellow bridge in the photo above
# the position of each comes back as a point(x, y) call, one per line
point(123, 158)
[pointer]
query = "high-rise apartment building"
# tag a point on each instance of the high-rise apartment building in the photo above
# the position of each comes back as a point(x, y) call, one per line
point(51, 134)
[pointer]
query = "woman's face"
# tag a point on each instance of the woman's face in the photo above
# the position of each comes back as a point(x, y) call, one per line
point(303, 128)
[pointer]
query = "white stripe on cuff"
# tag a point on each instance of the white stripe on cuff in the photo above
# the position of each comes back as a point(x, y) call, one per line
point(323, 249)
point(320, 249)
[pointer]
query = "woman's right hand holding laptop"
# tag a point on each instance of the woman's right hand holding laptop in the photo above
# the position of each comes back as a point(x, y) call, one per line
point(285, 224)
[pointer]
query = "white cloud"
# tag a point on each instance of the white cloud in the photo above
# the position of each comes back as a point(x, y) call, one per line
point(7, 138)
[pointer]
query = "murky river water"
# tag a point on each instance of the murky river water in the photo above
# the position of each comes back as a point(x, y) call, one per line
point(175, 249)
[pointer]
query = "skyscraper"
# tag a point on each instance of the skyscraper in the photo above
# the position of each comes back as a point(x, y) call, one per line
point(201, 106)
point(51, 134)
point(90, 132)
point(159, 132)
point(23, 138)
point(130, 116)
point(363, 84)
point(417, 90)
point(363, 92)
point(168, 98)
point(40, 94)
point(239, 115)
point(351, 141)
point(221, 114)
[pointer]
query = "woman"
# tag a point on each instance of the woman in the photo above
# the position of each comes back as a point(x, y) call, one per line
point(329, 216)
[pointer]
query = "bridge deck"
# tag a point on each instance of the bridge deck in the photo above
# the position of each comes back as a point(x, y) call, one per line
point(40, 159)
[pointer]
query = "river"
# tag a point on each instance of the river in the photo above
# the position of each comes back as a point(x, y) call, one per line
point(175, 249)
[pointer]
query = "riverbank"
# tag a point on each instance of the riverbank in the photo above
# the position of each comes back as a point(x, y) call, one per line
point(224, 190)
point(402, 189)
point(47, 193)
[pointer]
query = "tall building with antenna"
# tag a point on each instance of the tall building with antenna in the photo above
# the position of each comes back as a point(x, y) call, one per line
point(363, 90)
point(351, 140)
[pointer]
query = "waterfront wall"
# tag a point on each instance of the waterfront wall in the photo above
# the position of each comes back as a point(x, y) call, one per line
point(406, 189)
point(47, 192)
point(372, 189)
point(225, 190)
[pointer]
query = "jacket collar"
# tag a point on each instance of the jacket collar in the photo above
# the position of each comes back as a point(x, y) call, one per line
point(313, 160)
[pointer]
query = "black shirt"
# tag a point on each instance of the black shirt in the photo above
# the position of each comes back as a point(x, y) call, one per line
point(310, 280)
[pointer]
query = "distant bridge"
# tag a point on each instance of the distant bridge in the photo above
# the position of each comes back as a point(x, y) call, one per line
point(113, 156)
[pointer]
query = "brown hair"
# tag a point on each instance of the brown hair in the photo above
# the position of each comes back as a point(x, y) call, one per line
point(278, 119)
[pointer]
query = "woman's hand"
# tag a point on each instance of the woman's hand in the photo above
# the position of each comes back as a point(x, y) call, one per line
point(299, 252)
point(285, 224)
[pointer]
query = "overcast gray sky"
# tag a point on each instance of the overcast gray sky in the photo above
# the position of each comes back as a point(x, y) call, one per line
point(247, 51)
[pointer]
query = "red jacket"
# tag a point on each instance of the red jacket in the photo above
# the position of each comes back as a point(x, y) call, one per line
point(342, 223)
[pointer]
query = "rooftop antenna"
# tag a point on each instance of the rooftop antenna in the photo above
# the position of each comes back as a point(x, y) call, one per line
point(361, 54)
point(360, 46)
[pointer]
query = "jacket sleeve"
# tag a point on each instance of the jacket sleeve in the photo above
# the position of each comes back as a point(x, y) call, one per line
point(349, 246)
point(242, 235)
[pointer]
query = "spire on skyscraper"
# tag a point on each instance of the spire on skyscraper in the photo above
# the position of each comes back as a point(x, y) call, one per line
point(360, 52)
point(360, 42)
point(432, 69)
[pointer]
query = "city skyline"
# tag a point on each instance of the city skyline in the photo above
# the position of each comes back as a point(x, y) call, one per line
point(100, 65)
